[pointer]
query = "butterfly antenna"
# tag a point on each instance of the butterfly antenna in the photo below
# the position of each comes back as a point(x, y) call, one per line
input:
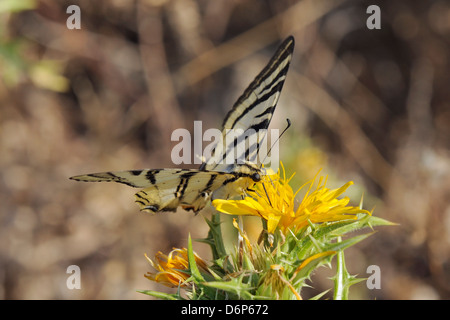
point(279, 137)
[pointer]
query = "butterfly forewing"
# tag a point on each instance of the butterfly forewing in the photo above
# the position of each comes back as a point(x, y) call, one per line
point(252, 112)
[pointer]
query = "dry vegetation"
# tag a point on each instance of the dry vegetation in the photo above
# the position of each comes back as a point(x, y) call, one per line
point(366, 105)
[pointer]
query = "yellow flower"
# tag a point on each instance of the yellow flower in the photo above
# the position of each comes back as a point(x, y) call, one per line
point(271, 199)
point(274, 200)
point(173, 269)
point(321, 205)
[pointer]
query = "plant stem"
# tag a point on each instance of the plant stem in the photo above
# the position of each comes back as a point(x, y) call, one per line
point(340, 287)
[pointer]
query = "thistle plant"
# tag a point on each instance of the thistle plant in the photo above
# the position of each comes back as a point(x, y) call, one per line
point(297, 236)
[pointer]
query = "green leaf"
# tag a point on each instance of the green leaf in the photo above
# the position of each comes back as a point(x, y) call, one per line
point(320, 295)
point(312, 265)
point(344, 244)
point(195, 272)
point(214, 238)
point(161, 295)
point(236, 288)
point(340, 228)
point(374, 221)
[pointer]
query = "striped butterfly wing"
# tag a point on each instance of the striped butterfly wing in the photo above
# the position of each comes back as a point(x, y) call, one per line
point(251, 114)
point(167, 189)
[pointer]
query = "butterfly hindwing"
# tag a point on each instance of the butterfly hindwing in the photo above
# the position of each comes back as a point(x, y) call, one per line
point(190, 189)
point(132, 178)
point(167, 189)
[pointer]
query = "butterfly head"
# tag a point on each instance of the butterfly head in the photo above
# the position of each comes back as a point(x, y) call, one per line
point(250, 170)
point(256, 177)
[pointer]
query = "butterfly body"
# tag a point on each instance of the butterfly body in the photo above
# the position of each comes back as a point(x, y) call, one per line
point(192, 189)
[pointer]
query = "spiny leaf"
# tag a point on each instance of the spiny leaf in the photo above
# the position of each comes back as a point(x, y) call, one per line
point(192, 264)
point(320, 295)
point(214, 238)
point(233, 287)
point(365, 222)
point(303, 271)
point(161, 295)
point(237, 289)
point(341, 245)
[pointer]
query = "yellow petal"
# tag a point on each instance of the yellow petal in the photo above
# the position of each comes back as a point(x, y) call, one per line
point(238, 207)
point(272, 222)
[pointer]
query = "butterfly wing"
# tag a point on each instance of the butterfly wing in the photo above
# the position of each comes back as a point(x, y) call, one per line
point(132, 178)
point(251, 114)
point(167, 189)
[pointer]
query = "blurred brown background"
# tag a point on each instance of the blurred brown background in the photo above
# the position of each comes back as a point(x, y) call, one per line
point(370, 106)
